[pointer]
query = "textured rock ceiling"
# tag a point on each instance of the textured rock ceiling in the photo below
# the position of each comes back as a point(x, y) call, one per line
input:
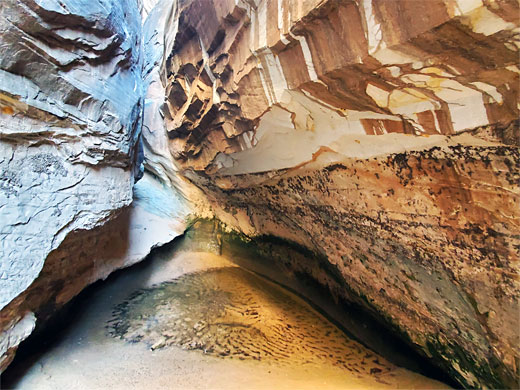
point(326, 70)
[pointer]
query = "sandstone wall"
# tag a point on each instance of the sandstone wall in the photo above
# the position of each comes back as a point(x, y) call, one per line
point(79, 82)
point(156, 216)
point(70, 119)
point(428, 239)
point(382, 135)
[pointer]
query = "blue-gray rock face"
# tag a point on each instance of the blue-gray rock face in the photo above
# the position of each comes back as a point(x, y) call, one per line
point(70, 119)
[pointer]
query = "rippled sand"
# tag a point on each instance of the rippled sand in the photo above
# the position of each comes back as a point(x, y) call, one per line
point(195, 321)
point(232, 313)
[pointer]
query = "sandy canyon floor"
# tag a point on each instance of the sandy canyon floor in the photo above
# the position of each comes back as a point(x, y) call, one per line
point(188, 319)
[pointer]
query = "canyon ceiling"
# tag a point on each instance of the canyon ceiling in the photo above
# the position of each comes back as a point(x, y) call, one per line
point(380, 136)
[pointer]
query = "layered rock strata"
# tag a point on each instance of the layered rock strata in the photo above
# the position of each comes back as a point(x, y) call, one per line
point(79, 82)
point(288, 77)
point(425, 239)
point(70, 119)
point(380, 135)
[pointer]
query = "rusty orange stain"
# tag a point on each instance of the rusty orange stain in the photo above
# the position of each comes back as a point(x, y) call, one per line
point(7, 110)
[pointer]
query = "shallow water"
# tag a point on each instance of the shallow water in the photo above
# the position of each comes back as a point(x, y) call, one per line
point(186, 320)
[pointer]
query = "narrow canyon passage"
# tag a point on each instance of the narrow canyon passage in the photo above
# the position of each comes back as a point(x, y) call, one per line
point(191, 319)
point(259, 194)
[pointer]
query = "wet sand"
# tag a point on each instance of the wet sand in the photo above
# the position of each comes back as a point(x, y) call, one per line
point(146, 352)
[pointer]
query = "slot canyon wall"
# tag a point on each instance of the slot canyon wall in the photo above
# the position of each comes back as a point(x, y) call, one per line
point(72, 97)
point(382, 136)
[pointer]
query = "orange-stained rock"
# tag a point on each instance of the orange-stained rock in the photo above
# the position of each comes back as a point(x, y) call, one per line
point(373, 66)
point(379, 134)
point(426, 237)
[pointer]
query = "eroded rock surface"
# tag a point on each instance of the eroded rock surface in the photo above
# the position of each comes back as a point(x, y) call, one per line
point(425, 237)
point(383, 136)
point(78, 81)
point(70, 117)
point(308, 74)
